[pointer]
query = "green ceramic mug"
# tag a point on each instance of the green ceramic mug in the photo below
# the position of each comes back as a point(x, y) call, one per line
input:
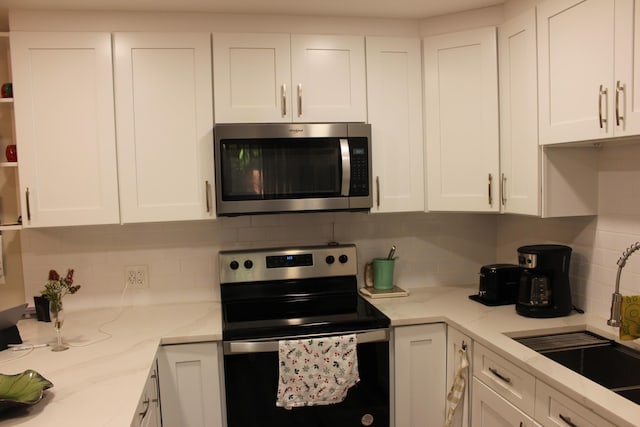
point(383, 273)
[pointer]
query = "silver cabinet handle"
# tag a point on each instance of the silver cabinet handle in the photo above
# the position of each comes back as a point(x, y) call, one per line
point(619, 88)
point(489, 190)
point(601, 93)
point(300, 100)
point(378, 192)
point(27, 194)
point(143, 414)
point(284, 99)
point(499, 375)
point(207, 188)
point(503, 190)
point(567, 420)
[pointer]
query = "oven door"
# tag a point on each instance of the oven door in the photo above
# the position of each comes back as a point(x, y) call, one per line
point(251, 384)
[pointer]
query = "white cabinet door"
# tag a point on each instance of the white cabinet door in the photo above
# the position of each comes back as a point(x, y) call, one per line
point(65, 127)
point(456, 341)
point(461, 119)
point(626, 88)
point(252, 78)
point(519, 150)
point(190, 385)
point(328, 74)
point(420, 371)
point(394, 98)
point(575, 68)
point(490, 410)
point(164, 126)
point(554, 409)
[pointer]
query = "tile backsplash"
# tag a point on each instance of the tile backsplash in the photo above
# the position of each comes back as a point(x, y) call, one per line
point(434, 248)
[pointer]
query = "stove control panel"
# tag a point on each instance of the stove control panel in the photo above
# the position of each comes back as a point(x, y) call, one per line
point(287, 263)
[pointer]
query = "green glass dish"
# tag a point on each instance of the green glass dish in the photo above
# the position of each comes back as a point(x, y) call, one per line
point(24, 389)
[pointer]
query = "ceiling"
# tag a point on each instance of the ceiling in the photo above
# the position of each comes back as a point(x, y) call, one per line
point(412, 9)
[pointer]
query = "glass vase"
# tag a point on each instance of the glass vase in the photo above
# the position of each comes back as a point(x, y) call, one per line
point(57, 317)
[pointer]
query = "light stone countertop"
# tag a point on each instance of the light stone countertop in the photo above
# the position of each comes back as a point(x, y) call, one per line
point(493, 327)
point(99, 381)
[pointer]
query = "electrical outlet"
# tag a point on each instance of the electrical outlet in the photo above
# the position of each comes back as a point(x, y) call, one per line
point(136, 276)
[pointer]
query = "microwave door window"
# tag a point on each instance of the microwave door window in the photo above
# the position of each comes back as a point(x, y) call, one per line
point(281, 169)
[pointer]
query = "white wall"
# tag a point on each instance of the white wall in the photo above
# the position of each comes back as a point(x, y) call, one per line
point(433, 249)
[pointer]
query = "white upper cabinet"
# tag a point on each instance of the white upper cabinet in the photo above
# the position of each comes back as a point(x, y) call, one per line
point(263, 78)
point(627, 68)
point(519, 150)
point(394, 97)
point(252, 78)
point(328, 73)
point(588, 69)
point(164, 126)
point(461, 120)
point(64, 114)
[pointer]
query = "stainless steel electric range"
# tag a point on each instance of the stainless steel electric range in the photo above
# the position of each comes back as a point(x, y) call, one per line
point(269, 295)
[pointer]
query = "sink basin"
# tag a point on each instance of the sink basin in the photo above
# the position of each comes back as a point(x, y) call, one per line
point(603, 361)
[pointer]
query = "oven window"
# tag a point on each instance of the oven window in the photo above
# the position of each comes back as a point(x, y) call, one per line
point(280, 168)
point(251, 383)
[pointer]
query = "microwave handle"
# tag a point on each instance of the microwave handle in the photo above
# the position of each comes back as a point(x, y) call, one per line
point(346, 166)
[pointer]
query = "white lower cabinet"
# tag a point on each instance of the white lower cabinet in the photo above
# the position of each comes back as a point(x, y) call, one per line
point(489, 409)
point(555, 409)
point(505, 395)
point(420, 367)
point(190, 385)
point(148, 410)
point(512, 382)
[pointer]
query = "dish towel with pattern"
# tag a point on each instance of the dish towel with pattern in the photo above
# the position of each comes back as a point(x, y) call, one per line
point(456, 394)
point(316, 371)
point(630, 318)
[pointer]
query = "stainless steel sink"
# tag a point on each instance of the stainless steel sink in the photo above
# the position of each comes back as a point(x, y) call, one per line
point(603, 361)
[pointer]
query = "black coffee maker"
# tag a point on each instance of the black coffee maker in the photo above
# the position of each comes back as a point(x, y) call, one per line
point(544, 283)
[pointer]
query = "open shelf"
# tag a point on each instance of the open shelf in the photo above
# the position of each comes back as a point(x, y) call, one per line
point(9, 227)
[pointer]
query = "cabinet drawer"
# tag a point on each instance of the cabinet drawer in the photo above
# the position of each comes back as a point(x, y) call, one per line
point(511, 382)
point(555, 409)
point(491, 410)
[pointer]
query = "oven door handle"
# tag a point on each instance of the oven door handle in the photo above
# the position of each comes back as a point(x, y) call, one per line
point(241, 347)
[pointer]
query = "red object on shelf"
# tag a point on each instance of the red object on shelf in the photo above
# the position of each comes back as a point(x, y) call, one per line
point(11, 153)
point(7, 90)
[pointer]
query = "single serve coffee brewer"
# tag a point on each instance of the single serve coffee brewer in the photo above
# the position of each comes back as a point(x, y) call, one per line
point(544, 289)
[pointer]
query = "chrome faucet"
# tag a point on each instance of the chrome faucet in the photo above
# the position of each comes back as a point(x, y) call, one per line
point(616, 298)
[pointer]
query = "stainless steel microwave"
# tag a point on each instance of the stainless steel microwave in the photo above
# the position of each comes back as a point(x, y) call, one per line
point(268, 168)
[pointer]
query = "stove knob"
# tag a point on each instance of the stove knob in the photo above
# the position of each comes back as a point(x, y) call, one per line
point(330, 259)
point(248, 264)
point(343, 259)
point(234, 265)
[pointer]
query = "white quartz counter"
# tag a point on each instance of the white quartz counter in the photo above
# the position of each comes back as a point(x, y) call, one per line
point(99, 380)
point(493, 327)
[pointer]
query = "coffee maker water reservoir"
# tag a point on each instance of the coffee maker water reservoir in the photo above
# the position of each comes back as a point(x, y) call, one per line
point(544, 289)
